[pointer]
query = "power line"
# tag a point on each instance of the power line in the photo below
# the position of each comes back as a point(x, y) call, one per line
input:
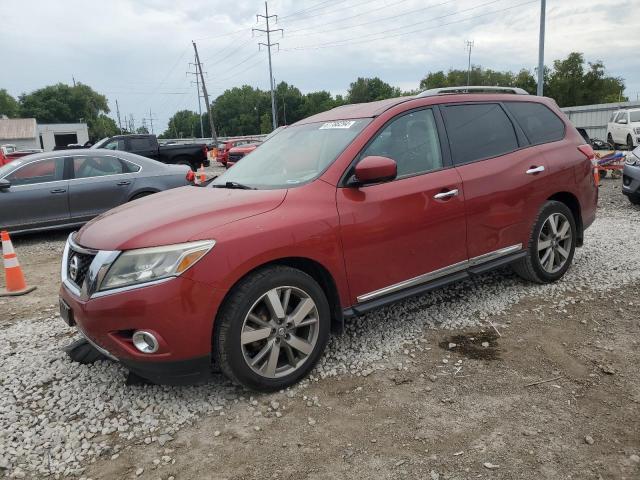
point(315, 7)
point(357, 40)
point(268, 31)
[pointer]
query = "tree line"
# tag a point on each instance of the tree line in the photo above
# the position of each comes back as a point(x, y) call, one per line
point(246, 110)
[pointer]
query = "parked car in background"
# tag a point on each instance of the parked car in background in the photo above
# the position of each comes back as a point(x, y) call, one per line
point(192, 154)
point(11, 152)
point(223, 151)
point(239, 152)
point(624, 128)
point(3, 158)
point(68, 188)
point(631, 177)
point(341, 213)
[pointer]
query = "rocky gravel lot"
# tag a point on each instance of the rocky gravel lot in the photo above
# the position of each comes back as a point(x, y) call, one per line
point(440, 386)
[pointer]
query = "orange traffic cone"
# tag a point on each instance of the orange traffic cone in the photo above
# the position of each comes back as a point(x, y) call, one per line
point(201, 174)
point(15, 284)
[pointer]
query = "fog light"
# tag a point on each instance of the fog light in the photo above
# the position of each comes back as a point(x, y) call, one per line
point(145, 341)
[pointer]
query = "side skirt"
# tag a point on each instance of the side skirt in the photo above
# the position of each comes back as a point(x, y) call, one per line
point(364, 307)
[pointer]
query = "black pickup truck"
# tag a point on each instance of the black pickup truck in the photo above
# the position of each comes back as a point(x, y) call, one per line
point(192, 154)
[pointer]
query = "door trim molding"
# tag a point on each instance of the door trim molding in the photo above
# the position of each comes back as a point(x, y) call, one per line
point(441, 272)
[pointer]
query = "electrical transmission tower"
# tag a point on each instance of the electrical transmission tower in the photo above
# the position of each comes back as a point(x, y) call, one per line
point(197, 83)
point(151, 119)
point(268, 31)
point(469, 46)
point(214, 137)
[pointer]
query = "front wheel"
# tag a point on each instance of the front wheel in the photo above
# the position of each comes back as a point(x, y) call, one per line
point(551, 245)
point(611, 142)
point(629, 142)
point(634, 199)
point(272, 329)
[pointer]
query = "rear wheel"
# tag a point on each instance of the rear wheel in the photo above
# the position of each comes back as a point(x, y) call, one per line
point(551, 245)
point(272, 329)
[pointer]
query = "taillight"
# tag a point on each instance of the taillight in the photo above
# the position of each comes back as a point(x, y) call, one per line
point(204, 150)
point(587, 151)
point(190, 176)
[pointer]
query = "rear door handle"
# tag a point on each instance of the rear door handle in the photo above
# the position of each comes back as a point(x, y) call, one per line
point(123, 183)
point(59, 190)
point(534, 170)
point(450, 193)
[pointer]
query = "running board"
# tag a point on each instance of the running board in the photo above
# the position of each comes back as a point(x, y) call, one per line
point(364, 307)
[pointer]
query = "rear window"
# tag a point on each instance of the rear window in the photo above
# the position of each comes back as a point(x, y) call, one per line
point(478, 131)
point(539, 123)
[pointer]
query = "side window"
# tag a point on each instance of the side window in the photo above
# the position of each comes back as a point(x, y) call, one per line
point(412, 141)
point(478, 131)
point(540, 124)
point(43, 171)
point(130, 167)
point(138, 144)
point(622, 117)
point(115, 145)
point(96, 166)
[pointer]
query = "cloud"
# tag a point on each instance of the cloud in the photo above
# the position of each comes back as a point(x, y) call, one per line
point(137, 51)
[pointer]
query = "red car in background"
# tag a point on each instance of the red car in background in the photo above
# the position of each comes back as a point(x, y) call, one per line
point(237, 153)
point(342, 213)
point(223, 149)
point(3, 159)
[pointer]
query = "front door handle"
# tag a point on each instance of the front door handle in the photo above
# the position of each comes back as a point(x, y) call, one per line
point(123, 183)
point(450, 193)
point(59, 190)
point(534, 170)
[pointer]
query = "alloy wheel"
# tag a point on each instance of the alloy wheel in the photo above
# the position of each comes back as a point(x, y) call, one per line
point(554, 242)
point(280, 332)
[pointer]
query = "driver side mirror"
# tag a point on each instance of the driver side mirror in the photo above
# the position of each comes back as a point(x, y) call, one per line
point(374, 169)
point(623, 121)
point(4, 184)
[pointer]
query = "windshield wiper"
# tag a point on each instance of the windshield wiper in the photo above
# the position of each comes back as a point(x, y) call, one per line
point(235, 185)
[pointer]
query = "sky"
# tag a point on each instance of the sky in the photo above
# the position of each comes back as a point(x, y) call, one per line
point(138, 51)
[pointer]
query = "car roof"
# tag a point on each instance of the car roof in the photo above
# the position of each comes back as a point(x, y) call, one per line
point(132, 157)
point(355, 110)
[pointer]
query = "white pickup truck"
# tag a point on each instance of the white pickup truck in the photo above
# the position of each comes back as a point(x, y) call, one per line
point(624, 128)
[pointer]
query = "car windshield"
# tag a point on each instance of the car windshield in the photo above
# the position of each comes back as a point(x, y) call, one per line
point(10, 167)
point(100, 143)
point(635, 116)
point(297, 155)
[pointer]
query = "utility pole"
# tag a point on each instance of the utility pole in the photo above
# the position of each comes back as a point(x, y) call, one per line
point(268, 31)
point(198, 92)
point(118, 112)
point(74, 80)
point(214, 137)
point(540, 90)
point(469, 47)
point(151, 119)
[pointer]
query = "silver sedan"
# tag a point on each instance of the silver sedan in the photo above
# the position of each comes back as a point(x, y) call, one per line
point(67, 188)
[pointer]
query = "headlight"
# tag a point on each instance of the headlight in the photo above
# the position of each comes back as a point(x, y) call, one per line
point(637, 131)
point(149, 264)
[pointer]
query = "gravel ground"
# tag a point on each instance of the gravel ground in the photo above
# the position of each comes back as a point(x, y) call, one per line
point(57, 417)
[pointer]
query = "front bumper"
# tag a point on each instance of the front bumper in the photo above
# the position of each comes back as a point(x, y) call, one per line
point(179, 311)
point(631, 180)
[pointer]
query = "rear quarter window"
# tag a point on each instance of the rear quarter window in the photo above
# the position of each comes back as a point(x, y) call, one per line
point(478, 131)
point(539, 123)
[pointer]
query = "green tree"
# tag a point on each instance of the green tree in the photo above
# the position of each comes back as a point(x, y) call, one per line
point(102, 126)
point(62, 103)
point(9, 106)
point(370, 89)
point(184, 123)
point(239, 111)
point(143, 130)
point(478, 76)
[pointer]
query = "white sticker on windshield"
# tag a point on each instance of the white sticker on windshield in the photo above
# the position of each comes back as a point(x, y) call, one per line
point(337, 124)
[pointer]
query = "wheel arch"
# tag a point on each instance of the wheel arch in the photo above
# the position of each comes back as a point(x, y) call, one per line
point(315, 270)
point(572, 202)
point(145, 191)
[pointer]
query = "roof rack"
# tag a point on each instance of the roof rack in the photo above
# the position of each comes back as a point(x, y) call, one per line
point(471, 89)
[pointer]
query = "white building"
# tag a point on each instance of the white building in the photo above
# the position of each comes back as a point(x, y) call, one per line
point(25, 133)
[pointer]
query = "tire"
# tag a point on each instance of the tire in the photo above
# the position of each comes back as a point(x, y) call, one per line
point(634, 199)
point(81, 351)
point(537, 266)
point(611, 142)
point(629, 142)
point(252, 304)
point(141, 195)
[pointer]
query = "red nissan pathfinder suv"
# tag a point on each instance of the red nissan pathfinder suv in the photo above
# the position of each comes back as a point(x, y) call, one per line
point(340, 213)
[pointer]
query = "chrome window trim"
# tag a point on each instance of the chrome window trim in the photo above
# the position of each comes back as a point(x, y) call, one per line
point(441, 272)
point(29, 163)
point(103, 176)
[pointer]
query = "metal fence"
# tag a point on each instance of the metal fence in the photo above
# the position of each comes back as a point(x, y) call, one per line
point(594, 118)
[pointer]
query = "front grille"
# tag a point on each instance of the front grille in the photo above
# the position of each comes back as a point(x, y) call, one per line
point(80, 265)
point(234, 157)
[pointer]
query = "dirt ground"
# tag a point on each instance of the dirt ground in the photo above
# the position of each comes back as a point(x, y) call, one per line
point(554, 395)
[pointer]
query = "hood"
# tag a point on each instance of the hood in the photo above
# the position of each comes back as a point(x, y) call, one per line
point(174, 216)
